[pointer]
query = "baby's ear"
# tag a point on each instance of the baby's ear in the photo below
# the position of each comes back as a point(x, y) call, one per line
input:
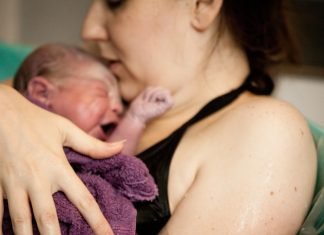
point(40, 89)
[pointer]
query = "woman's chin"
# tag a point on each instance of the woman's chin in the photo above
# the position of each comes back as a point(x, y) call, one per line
point(128, 94)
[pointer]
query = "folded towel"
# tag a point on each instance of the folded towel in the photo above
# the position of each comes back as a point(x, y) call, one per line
point(115, 182)
point(129, 175)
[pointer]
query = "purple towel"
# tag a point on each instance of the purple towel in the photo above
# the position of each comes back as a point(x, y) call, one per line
point(115, 182)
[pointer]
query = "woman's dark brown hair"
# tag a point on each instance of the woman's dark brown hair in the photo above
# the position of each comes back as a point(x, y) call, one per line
point(262, 28)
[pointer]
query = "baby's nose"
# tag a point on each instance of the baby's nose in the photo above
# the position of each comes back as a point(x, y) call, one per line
point(117, 108)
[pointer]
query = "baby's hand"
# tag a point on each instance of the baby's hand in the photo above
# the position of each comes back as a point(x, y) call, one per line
point(152, 102)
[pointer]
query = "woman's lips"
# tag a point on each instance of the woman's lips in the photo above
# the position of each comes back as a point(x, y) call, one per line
point(113, 65)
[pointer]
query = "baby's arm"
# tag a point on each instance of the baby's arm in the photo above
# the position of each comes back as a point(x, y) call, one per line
point(151, 103)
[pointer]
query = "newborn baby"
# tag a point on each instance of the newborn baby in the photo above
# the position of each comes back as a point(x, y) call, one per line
point(77, 85)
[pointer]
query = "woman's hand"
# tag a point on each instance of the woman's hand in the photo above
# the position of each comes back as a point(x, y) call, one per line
point(33, 165)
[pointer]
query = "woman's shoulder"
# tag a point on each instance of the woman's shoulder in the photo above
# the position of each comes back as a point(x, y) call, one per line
point(258, 152)
point(261, 123)
point(276, 120)
point(265, 109)
point(263, 115)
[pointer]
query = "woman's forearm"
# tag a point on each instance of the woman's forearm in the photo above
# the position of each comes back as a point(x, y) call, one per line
point(7, 82)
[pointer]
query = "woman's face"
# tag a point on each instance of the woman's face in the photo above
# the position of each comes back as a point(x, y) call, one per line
point(143, 39)
point(89, 98)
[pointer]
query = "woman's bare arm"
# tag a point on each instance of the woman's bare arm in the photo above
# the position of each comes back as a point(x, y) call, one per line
point(258, 179)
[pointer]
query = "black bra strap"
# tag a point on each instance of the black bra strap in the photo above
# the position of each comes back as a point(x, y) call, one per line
point(221, 101)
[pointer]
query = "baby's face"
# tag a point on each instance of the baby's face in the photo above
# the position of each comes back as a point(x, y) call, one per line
point(90, 99)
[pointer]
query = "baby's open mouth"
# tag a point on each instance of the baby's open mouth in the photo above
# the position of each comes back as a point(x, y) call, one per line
point(108, 128)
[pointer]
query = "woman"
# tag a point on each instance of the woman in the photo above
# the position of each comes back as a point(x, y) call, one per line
point(245, 164)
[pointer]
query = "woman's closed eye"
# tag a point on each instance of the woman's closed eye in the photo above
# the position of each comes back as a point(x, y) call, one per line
point(114, 4)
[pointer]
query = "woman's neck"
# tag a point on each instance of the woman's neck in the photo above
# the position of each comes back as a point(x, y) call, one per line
point(227, 69)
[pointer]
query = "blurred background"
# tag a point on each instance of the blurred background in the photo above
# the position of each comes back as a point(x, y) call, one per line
point(28, 23)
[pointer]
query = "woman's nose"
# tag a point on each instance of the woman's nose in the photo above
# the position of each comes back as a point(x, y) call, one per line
point(94, 23)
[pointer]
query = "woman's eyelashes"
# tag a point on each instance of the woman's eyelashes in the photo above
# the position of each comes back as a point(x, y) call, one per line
point(114, 4)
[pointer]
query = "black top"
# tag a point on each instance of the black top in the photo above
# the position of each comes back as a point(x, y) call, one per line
point(152, 216)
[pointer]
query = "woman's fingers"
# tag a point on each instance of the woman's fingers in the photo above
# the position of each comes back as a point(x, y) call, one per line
point(86, 144)
point(82, 199)
point(19, 210)
point(44, 211)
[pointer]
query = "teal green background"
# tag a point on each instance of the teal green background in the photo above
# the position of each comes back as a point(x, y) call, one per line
point(11, 57)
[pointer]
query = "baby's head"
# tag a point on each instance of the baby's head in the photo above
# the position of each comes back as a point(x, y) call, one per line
point(72, 83)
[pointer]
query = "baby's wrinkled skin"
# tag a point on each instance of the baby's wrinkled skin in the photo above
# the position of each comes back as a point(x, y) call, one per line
point(90, 99)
